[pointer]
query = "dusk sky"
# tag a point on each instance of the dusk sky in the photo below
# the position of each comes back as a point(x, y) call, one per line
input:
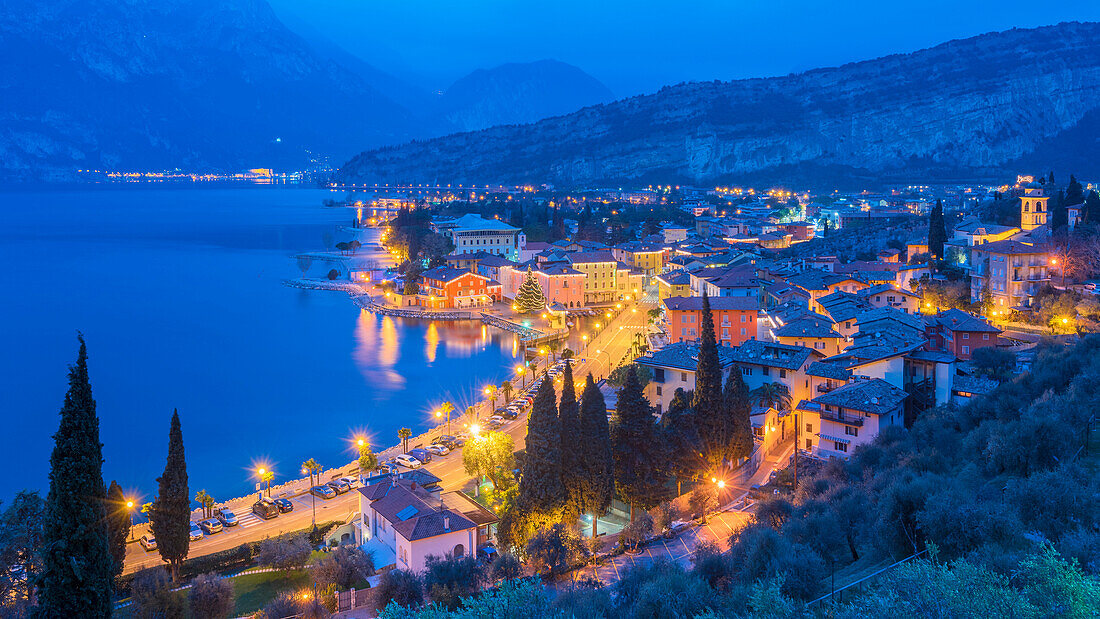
point(638, 46)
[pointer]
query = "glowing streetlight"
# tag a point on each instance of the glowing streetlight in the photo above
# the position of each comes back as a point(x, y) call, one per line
point(474, 430)
point(130, 508)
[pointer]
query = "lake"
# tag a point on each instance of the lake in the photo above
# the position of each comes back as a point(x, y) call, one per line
point(178, 291)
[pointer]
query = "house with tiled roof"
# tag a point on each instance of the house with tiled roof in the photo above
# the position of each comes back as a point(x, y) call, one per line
point(735, 318)
point(645, 257)
point(675, 283)
point(448, 287)
point(811, 331)
point(771, 362)
point(889, 295)
point(560, 283)
point(1012, 272)
point(674, 367)
point(472, 233)
point(834, 423)
point(820, 284)
point(738, 281)
point(968, 387)
point(960, 333)
point(606, 279)
point(843, 308)
point(398, 518)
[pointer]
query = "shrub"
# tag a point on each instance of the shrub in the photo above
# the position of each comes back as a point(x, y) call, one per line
point(333, 274)
point(400, 587)
point(554, 548)
point(506, 566)
point(637, 531)
point(663, 517)
point(234, 558)
point(448, 579)
point(344, 567)
point(153, 596)
point(285, 553)
point(211, 596)
point(703, 500)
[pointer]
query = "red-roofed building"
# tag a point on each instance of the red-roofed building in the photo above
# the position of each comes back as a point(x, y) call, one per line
point(735, 318)
point(960, 333)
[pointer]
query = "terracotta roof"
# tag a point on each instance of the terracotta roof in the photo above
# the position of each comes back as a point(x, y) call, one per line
point(448, 274)
point(958, 320)
point(1007, 246)
point(807, 327)
point(590, 256)
point(716, 303)
point(407, 509)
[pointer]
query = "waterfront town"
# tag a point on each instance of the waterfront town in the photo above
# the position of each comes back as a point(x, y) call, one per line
point(696, 366)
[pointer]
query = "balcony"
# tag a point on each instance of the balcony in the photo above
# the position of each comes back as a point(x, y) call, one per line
point(847, 420)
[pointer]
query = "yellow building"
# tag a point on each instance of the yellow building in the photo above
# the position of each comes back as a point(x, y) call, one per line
point(1033, 207)
point(673, 284)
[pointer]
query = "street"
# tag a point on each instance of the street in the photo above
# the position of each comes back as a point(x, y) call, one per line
point(614, 342)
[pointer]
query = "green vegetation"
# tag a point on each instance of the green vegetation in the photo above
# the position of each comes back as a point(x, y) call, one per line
point(77, 566)
point(171, 521)
point(636, 449)
point(254, 591)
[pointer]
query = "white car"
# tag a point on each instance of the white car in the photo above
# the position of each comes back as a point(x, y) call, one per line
point(148, 542)
point(438, 449)
point(350, 480)
point(496, 419)
point(407, 461)
point(196, 532)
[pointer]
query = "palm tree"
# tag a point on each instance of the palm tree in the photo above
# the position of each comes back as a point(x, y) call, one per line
point(637, 343)
point(311, 467)
point(506, 389)
point(206, 502)
point(773, 395)
point(491, 392)
point(404, 434)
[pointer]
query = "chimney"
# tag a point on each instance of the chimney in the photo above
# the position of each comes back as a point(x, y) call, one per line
point(446, 523)
point(413, 486)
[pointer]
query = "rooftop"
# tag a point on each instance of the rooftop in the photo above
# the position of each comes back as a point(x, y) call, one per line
point(716, 303)
point(470, 221)
point(1010, 247)
point(806, 326)
point(772, 354)
point(447, 274)
point(958, 320)
point(874, 396)
point(683, 356)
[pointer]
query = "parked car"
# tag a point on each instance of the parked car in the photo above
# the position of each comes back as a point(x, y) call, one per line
point(351, 480)
point(284, 505)
point(452, 442)
point(421, 454)
point(339, 485)
point(496, 418)
point(196, 532)
point(510, 414)
point(265, 508)
point(323, 492)
point(439, 449)
point(495, 423)
point(148, 542)
point(226, 517)
point(210, 526)
point(407, 461)
point(461, 438)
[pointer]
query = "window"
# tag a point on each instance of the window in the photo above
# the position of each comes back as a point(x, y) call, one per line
point(782, 373)
point(744, 318)
point(659, 375)
point(851, 431)
point(746, 371)
point(966, 336)
point(658, 390)
point(966, 350)
point(809, 428)
point(985, 336)
point(765, 371)
point(843, 447)
point(809, 444)
point(743, 331)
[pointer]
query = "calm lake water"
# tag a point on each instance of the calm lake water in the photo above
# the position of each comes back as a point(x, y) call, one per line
point(178, 293)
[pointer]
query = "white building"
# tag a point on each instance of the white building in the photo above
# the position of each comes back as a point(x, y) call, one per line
point(473, 233)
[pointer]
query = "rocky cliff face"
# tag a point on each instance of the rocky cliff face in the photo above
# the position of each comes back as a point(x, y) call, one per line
point(973, 107)
point(520, 93)
point(220, 84)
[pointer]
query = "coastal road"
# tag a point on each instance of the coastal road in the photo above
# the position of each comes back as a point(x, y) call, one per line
point(614, 340)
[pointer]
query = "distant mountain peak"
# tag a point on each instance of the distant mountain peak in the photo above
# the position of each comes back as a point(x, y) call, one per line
point(520, 93)
point(970, 108)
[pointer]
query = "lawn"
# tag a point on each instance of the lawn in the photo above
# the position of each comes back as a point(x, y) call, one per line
point(253, 591)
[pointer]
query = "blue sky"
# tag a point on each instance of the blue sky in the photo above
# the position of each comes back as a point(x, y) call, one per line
point(641, 45)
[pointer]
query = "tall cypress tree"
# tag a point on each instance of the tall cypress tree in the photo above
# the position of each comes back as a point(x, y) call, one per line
point(738, 406)
point(636, 448)
point(77, 567)
point(1092, 208)
point(569, 418)
point(118, 525)
point(171, 521)
point(707, 404)
point(1059, 218)
point(540, 488)
point(937, 231)
point(1075, 193)
point(597, 472)
point(681, 439)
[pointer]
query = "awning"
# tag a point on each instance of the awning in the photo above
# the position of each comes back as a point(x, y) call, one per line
point(835, 439)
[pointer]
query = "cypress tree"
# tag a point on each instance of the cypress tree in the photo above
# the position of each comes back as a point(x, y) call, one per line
point(77, 567)
point(707, 403)
point(1075, 193)
point(1059, 217)
point(1092, 208)
point(171, 521)
point(937, 231)
point(540, 488)
point(118, 525)
point(636, 448)
point(680, 437)
point(597, 473)
point(529, 297)
point(569, 419)
point(738, 405)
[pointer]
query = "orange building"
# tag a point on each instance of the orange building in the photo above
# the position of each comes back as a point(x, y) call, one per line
point(734, 318)
point(445, 288)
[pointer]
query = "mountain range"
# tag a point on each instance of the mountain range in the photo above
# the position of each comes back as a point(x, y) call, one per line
point(982, 107)
point(223, 85)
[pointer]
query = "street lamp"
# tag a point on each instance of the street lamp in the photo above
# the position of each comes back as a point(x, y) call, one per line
point(474, 429)
point(522, 371)
point(265, 478)
point(130, 508)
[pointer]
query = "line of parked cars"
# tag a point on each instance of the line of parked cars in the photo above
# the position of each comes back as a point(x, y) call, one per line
point(334, 488)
